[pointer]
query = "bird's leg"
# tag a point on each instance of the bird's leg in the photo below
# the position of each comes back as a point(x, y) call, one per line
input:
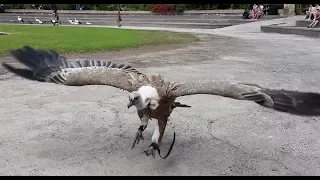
point(156, 137)
point(142, 127)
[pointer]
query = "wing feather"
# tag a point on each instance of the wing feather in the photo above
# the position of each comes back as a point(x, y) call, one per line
point(49, 66)
point(294, 102)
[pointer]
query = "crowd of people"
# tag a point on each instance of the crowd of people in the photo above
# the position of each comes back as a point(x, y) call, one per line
point(313, 14)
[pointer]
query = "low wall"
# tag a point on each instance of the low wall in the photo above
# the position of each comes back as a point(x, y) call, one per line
point(305, 23)
point(225, 11)
point(292, 30)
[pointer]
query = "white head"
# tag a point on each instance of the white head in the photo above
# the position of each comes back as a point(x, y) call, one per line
point(145, 97)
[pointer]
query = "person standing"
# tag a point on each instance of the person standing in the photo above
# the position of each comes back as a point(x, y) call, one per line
point(119, 19)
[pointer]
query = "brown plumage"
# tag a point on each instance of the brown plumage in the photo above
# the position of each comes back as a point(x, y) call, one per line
point(153, 97)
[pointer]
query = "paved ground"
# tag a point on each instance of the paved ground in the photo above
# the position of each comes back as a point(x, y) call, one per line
point(49, 129)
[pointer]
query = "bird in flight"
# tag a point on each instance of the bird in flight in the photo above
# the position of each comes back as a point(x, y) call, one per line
point(153, 96)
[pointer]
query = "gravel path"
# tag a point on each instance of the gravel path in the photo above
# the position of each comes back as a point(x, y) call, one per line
point(49, 129)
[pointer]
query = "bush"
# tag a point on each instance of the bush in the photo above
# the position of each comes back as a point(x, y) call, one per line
point(163, 9)
point(180, 8)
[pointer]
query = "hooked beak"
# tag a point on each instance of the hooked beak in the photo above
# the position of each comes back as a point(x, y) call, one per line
point(130, 104)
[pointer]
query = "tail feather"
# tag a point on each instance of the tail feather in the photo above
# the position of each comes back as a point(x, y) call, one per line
point(294, 102)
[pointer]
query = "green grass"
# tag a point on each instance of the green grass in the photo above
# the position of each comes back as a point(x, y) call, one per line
point(66, 40)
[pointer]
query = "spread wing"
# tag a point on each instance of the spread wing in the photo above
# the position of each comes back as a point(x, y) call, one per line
point(49, 66)
point(301, 103)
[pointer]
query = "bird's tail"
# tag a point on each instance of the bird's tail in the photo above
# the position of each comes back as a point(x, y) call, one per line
point(293, 102)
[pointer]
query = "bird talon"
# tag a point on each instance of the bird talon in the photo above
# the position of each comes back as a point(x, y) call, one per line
point(137, 138)
point(150, 151)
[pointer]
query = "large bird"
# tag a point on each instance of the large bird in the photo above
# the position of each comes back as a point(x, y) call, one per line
point(76, 21)
point(54, 22)
point(152, 96)
point(20, 19)
point(36, 19)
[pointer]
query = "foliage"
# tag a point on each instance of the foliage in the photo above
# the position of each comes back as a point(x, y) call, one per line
point(180, 8)
point(163, 9)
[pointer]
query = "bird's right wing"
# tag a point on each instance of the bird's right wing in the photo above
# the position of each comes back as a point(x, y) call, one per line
point(51, 67)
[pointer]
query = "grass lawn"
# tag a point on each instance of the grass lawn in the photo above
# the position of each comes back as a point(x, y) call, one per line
point(66, 40)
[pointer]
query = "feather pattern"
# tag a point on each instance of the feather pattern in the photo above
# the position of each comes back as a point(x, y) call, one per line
point(51, 67)
point(294, 102)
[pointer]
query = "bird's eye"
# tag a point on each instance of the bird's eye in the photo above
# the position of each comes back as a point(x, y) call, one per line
point(136, 97)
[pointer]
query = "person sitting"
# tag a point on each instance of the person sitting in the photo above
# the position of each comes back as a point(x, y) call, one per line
point(316, 18)
point(254, 11)
point(259, 12)
point(313, 11)
point(246, 14)
point(309, 17)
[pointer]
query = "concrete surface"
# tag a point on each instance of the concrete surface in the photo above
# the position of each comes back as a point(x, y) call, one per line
point(298, 28)
point(49, 129)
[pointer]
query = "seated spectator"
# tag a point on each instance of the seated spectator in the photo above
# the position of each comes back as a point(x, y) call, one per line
point(313, 11)
point(246, 14)
point(308, 17)
point(316, 18)
point(254, 11)
point(258, 13)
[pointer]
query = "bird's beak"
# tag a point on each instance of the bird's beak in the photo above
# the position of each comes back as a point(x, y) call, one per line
point(130, 104)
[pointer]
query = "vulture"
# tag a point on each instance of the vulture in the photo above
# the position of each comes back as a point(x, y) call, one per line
point(153, 97)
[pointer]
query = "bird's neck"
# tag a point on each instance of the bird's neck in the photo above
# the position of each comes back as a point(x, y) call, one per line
point(149, 97)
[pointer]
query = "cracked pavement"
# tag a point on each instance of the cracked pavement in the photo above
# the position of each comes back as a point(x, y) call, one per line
point(49, 129)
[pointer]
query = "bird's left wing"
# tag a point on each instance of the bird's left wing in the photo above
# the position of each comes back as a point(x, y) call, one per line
point(301, 103)
point(49, 66)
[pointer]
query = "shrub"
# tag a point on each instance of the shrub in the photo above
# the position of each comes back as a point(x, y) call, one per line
point(163, 9)
point(180, 8)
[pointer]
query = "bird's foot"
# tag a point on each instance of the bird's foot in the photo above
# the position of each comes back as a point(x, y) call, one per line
point(151, 150)
point(138, 137)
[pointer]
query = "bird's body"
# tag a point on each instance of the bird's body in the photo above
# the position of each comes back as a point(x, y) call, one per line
point(20, 19)
point(153, 97)
point(36, 19)
point(76, 21)
point(54, 22)
point(88, 23)
point(41, 22)
point(70, 21)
